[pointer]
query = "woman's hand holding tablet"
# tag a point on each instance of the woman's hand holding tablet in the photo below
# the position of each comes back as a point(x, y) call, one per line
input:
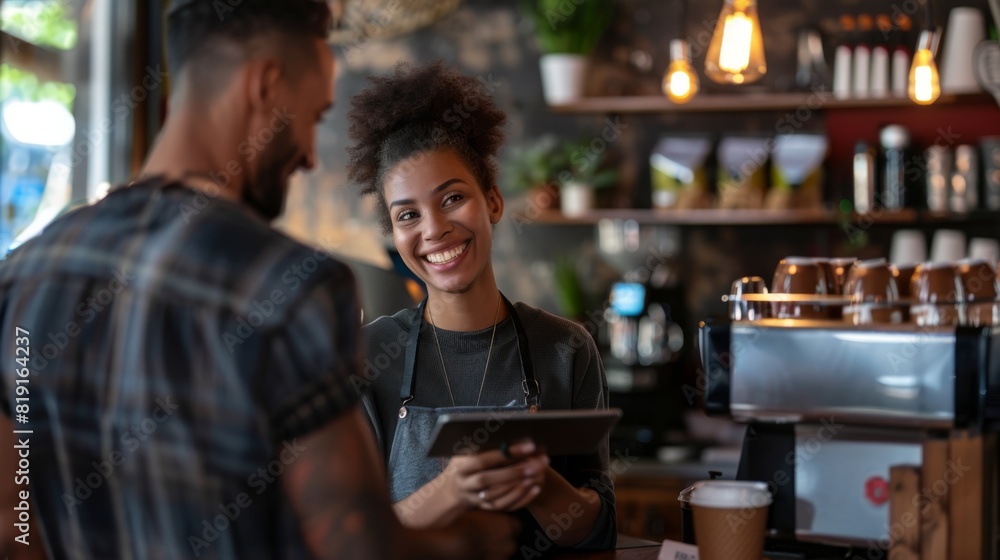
point(493, 481)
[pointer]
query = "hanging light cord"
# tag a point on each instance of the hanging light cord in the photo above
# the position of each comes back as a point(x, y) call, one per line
point(681, 18)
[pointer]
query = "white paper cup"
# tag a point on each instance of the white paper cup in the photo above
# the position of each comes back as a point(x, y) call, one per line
point(908, 246)
point(966, 29)
point(730, 519)
point(948, 245)
point(986, 249)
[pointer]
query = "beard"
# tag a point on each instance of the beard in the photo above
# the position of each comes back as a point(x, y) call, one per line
point(265, 192)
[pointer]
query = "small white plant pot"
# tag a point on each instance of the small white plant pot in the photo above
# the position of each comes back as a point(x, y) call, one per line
point(576, 199)
point(563, 77)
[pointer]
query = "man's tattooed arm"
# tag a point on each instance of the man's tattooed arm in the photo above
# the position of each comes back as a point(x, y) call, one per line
point(337, 488)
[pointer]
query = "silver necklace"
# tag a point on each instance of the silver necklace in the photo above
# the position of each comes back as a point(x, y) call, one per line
point(488, 354)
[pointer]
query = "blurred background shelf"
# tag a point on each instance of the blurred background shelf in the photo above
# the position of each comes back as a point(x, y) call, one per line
point(44, 62)
point(713, 216)
point(746, 102)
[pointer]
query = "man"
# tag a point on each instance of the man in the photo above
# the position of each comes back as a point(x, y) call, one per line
point(179, 373)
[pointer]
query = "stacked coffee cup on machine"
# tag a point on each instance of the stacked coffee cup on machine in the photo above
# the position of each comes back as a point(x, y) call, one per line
point(872, 292)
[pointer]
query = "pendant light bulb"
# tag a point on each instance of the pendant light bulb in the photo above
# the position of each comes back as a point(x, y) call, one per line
point(925, 83)
point(680, 83)
point(736, 53)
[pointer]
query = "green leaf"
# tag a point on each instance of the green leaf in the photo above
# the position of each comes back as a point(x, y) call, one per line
point(569, 289)
point(18, 84)
point(605, 178)
point(568, 26)
point(42, 23)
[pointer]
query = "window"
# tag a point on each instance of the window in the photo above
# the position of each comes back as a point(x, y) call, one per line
point(37, 125)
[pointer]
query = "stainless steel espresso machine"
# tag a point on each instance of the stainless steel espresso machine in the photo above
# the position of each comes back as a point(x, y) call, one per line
point(840, 416)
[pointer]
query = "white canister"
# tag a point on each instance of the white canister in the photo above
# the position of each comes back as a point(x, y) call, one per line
point(576, 199)
point(563, 77)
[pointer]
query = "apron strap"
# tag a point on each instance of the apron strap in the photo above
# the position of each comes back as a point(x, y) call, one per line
point(529, 384)
point(410, 364)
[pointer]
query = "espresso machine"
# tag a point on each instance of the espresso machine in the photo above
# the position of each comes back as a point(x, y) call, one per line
point(644, 337)
point(871, 438)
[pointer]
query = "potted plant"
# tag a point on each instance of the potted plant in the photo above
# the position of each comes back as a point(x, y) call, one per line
point(586, 170)
point(532, 167)
point(569, 290)
point(567, 32)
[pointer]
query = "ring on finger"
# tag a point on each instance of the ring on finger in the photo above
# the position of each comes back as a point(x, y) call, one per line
point(482, 496)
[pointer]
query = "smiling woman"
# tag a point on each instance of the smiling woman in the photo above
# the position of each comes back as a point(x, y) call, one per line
point(437, 230)
point(425, 146)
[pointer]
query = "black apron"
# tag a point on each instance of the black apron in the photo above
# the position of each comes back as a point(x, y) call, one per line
point(409, 466)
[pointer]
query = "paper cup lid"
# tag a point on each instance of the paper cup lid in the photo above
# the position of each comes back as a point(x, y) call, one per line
point(731, 494)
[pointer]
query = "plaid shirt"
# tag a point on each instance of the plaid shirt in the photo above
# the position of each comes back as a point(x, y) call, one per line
point(178, 347)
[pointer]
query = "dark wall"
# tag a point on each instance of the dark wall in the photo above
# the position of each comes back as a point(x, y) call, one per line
point(490, 39)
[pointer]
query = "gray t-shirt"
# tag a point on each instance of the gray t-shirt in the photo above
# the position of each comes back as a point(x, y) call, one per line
point(567, 366)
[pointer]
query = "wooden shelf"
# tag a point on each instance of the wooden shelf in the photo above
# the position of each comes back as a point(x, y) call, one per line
point(747, 102)
point(44, 62)
point(708, 217)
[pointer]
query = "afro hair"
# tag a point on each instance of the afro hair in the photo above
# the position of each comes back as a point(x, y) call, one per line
point(421, 109)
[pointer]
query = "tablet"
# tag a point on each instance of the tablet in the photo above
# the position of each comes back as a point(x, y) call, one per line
point(558, 432)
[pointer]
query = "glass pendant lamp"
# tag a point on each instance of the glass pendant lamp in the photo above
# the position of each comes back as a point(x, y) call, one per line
point(736, 53)
point(680, 83)
point(925, 84)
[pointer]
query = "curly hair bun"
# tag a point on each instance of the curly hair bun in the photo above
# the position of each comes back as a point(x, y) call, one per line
point(419, 109)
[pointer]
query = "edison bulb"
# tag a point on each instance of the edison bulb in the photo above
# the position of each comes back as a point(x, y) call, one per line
point(736, 53)
point(925, 83)
point(680, 83)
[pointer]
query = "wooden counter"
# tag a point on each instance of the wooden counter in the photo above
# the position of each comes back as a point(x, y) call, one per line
point(629, 548)
point(641, 553)
point(634, 548)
